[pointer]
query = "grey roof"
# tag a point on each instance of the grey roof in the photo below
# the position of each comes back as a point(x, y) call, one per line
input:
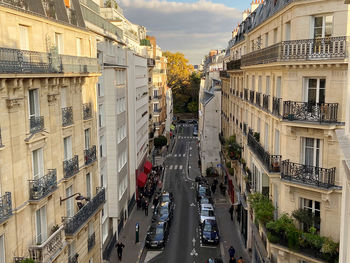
point(207, 96)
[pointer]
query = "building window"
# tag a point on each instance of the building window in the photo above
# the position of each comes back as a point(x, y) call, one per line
point(275, 36)
point(277, 142)
point(102, 138)
point(2, 249)
point(87, 138)
point(287, 31)
point(24, 37)
point(266, 39)
point(59, 42)
point(104, 230)
point(69, 202)
point(323, 26)
point(100, 115)
point(267, 85)
point(256, 178)
point(260, 84)
point(314, 208)
point(34, 109)
point(266, 137)
point(79, 45)
point(88, 185)
point(41, 225)
point(278, 87)
point(311, 151)
point(67, 144)
point(314, 90)
point(253, 82)
point(38, 163)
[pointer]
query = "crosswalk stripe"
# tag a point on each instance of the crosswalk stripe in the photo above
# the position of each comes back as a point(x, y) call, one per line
point(175, 155)
point(175, 167)
point(184, 155)
point(171, 167)
point(180, 167)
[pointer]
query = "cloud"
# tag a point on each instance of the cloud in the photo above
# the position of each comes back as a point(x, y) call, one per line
point(190, 28)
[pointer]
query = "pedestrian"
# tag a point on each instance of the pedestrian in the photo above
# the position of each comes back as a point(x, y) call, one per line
point(213, 188)
point(138, 203)
point(231, 252)
point(120, 247)
point(143, 200)
point(231, 212)
point(240, 260)
point(146, 208)
point(155, 201)
point(232, 260)
point(216, 182)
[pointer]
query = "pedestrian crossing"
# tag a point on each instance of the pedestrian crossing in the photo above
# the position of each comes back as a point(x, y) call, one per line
point(176, 167)
point(176, 155)
point(187, 137)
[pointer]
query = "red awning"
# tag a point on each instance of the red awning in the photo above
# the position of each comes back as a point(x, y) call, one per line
point(147, 167)
point(141, 179)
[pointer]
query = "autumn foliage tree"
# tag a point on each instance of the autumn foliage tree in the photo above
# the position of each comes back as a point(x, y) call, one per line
point(183, 81)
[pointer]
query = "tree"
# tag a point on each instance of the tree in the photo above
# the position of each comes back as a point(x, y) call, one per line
point(192, 106)
point(160, 141)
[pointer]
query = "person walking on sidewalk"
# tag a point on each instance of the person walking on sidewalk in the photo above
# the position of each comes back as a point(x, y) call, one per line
point(231, 252)
point(232, 260)
point(146, 207)
point(120, 247)
point(240, 260)
point(231, 212)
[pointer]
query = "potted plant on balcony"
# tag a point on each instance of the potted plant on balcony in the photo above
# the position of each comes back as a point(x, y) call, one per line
point(275, 166)
point(54, 228)
point(256, 136)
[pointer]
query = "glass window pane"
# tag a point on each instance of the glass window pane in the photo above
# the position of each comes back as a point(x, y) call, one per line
point(318, 21)
point(317, 32)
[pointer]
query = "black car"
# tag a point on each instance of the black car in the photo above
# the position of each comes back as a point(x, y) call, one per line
point(157, 235)
point(210, 232)
point(164, 212)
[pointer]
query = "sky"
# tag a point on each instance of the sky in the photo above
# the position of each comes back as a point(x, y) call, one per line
point(192, 27)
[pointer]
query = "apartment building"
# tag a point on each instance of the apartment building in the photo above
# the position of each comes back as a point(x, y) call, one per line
point(51, 194)
point(112, 123)
point(284, 99)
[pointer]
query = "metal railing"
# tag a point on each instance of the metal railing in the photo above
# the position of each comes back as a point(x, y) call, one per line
point(91, 241)
point(224, 74)
point(32, 62)
point(304, 111)
point(67, 116)
point(251, 96)
point(310, 175)
point(90, 155)
point(5, 206)
point(258, 99)
point(87, 111)
point(151, 62)
point(73, 224)
point(266, 99)
point(246, 94)
point(303, 49)
point(71, 167)
point(36, 124)
point(271, 162)
point(276, 106)
point(47, 251)
point(233, 64)
point(41, 187)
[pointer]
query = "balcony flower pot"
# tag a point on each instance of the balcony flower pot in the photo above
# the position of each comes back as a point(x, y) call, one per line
point(276, 166)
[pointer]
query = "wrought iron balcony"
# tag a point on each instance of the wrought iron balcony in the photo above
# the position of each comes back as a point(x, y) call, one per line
point(246, 94)
point(48, 250)
point(304, 49)
point(310, 175)
point(234, 65)
point(266, 99)
point(5, 206)
point(150, 62)
point(224, 74)
point(271, 162)
point(245, 125)
point(73, 259)
point(71, 167)
point(41, 187)
point(73, 224)
point(258, 99)
point(91, 241)
point(36, 124)
point(67, 116)
point(90, 155)
point(31, 62)
point(304, 111)
point(251, 96)
point(87, 111)
point(276, 106)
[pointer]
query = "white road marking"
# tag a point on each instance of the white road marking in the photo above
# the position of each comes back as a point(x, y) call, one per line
point(184, 155)
point(171, 167)
point(190, 154)
point(192, 204)
point(190, 148)
point(189, 167)
point(175, 167)
point(175, 155)
point(180, 167)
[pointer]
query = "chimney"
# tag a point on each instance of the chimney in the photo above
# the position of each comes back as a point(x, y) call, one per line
point(254, 5)
point(234, 32)
point(245, 14)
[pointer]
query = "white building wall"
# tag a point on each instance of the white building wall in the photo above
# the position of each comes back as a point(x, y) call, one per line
point(169, 110)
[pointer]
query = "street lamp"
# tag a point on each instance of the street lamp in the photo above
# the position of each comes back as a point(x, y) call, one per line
point(79, 198)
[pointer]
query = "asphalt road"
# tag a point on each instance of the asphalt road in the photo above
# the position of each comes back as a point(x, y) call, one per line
point(181, 167)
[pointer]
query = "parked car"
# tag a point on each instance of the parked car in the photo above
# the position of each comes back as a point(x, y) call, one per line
point(210, 232)
point(206, 212)
point(195, 131)
point(157, 235)
point(206, 200)
point(203, 191)
point(163, 212)
point(166, 197)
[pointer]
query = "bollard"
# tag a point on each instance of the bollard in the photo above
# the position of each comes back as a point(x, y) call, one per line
point(137, 228)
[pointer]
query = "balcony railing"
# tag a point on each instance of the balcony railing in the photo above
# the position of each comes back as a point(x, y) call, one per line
point(251, 96)
point(90, 155)
point(271, 162)
point(224, 74)
point(91, 241)
point(41, 187)
point(310, 175)
point(47, 251)
point(150, 62)
point(73, 259)
point(71, 167)
point(67, 116)
point(36, 123)
point(304, 49)
point(32, 62)
point(5, 206)
point(246, 94)
point(234, 65)
point(276, 106)
point(258, 99)
point(266, 99)
point(245, 125)
point(73, 224)
point(304, 111)
point(87, 111)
